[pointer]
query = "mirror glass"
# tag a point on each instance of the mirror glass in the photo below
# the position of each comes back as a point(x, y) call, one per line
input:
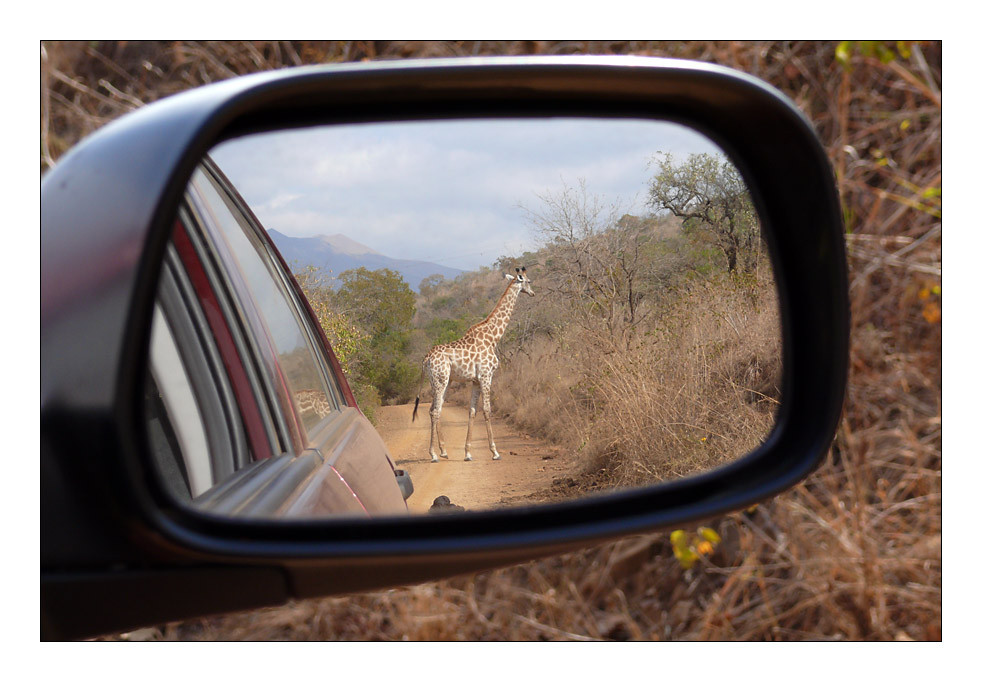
point(599, 286)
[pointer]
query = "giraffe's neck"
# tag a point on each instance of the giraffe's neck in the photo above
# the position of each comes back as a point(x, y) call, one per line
point(496, 323)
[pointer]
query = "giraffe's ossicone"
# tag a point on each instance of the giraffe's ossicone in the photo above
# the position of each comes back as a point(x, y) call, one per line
point(471, 359)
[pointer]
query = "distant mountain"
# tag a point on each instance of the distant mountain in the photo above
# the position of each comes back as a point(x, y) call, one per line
point(336, 253)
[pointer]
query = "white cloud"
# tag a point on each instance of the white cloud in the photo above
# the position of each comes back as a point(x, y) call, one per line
point(441, 191)
point(278, 201)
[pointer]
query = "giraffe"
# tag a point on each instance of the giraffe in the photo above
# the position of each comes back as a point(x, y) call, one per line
point(472, 359)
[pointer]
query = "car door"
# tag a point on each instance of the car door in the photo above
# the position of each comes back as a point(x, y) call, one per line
point(248, 412)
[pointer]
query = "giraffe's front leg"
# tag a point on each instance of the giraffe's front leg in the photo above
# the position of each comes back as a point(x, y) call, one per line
point(443, 447)
point(475, 393)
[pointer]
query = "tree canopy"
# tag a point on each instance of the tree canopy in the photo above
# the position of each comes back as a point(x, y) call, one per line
point(379, 300)
point(708, 193)
point(383, 305)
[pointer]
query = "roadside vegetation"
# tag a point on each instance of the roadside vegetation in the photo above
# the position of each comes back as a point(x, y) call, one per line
point(654, 351)
point(853, 552)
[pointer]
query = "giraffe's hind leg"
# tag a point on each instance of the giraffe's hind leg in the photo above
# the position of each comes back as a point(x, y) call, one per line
point(436, 436)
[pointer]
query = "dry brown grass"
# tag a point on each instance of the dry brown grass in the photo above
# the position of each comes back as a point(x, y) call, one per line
point(851, 553)
point(697, 387)
point(699, 393)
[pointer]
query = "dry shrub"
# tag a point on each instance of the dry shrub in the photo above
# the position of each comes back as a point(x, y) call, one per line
point(699, 392)
point(851, 553)
point(698, 389)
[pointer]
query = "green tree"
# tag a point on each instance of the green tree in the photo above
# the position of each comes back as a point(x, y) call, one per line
point(383, 305)
point(443, 330)
point(430, 285)
point(708, 193)
point(346, 339)
point(379, 300)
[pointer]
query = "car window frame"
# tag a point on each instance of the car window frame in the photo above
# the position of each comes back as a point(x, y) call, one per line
point(228, 445)
point(244, 307)
point(203, 295)
point(261, 487)
point(247, 384)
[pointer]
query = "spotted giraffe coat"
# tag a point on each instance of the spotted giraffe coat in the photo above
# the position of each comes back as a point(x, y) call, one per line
point(471, 359)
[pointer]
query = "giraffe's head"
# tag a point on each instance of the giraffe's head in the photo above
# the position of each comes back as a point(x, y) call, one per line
point(524, 283)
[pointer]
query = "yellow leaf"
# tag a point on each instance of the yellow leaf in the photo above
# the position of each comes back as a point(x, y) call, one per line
point(710, 535)
point(686, 557)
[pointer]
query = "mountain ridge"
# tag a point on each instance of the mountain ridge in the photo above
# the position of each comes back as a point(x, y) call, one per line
point(339, 252)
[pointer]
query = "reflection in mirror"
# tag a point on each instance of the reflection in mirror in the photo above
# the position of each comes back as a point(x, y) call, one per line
point(526, 311)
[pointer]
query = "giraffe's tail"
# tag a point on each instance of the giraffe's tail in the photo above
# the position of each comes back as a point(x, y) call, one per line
point(419, 391)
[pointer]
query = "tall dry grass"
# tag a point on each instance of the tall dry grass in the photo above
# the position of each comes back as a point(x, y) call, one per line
point(854, 552)
point(696, 388)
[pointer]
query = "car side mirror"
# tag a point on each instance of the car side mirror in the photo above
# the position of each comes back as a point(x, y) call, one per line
point(143, 217)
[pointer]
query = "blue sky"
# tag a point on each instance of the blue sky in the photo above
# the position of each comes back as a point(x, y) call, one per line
point(448, 192)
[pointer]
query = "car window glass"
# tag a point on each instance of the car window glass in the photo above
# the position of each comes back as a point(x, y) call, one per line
point(297, 366)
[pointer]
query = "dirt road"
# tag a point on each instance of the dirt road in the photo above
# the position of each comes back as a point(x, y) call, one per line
point(527, 466)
